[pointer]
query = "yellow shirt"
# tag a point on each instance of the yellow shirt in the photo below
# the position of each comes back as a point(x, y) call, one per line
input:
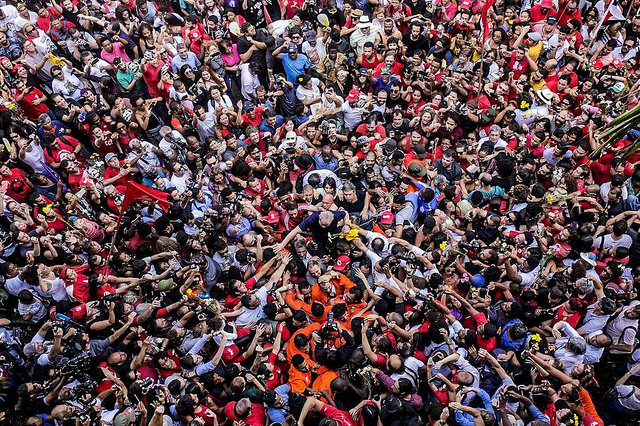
point(537, 86)
point(535, 50)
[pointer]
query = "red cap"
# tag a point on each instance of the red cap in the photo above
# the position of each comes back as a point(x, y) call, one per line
point(386, 218)
point(617, 63)
point(4, 58)
point(273, 217)
point(79, 312)
point(353, 95)
point(342, 263)
point(466, 4)
point(597, 64)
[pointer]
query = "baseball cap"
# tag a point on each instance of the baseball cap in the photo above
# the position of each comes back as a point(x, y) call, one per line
point(617, 63)
point(109, 156)
point(535, 36)
point(619, 87)
point(273, 217)
point(125, 418)
point(248, 106)
point(353, 95)
point(165, 284)
point(390, 145)
point(79, 312)
point(551, 19)
point(590, 258)
point(386, 218)
point(292, 48)
point(417, 169)
point(420, 151)
point(597, 64)
point(385, 70)
point(342, 262)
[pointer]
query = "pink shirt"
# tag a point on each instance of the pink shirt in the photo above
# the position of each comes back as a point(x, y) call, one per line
point(232, 58)
point(118, 50)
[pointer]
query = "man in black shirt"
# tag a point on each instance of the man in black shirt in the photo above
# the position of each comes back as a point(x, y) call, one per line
point(353, 201)
point(252, 48)
point(395, 97)
point(414, 39)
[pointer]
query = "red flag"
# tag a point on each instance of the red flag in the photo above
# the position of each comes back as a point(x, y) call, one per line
point(485, 19)
point(136, 191)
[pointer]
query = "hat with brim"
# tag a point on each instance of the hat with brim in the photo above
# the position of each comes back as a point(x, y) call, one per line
point(342, 262)
point(386, 218)
point(545, 95)
point(590, 258)
point(363, 22)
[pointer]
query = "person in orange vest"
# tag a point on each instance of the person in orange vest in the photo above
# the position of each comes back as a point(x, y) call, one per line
point(300, 375)
point(330, 285)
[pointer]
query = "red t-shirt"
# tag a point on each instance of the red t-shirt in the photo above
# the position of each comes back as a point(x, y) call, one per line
point(151, 76)
point(65, 148)
point(110, 172)
point(31, 111)
point(18, 188)
point(518, 67)
point(488, 344)
point(343, 418)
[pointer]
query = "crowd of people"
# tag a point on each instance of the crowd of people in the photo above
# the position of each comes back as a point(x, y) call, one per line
point(318, 212)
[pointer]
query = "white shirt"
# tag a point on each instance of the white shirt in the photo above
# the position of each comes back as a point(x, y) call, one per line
point(608, 242)
point(251, 316)
point(20, 21)
point(352, 116)
point(302, 93)
point(69, 87)
point(249, 82)
point(57, 291)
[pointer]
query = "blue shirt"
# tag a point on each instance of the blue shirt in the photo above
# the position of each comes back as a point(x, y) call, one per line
point(265, 127)
point(420, 207)
point(280, 414)
point(192, 60)
point(379, 83)
point(332, 164)
point(294, 67)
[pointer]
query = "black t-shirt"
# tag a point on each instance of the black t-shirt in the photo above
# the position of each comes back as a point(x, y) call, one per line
point(258, 56)
point(255, 13)
point(356, 207)
point(392, 103)
point(400, 132)
point(413, 45)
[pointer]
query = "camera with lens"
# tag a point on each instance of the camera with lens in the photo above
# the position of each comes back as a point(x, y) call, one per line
point(425, 297)
point(471, 248)
point(78, 364)
point(324, 127)
point(329, 330)
point(111, 297)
